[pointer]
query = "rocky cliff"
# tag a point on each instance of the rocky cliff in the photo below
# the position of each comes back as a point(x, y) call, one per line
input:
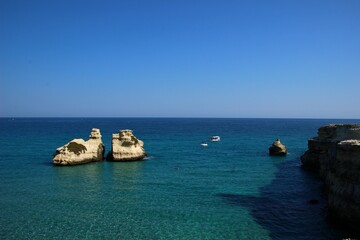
point(335, 155)
point(126, 147)
point(78, 151)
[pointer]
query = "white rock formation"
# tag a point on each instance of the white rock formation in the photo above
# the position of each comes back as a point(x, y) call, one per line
point(126, 147)
point(78, 151)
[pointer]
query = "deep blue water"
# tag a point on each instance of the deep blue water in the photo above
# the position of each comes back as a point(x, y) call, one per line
point(230, 190)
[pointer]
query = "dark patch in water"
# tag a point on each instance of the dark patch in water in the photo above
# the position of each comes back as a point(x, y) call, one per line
point(314, 201)
point(283, 206)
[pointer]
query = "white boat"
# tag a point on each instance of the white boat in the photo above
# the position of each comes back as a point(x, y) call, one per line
point(204, 144)
point(215, 138)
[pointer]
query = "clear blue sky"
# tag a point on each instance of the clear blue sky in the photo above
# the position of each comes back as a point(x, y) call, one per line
point(180, 58)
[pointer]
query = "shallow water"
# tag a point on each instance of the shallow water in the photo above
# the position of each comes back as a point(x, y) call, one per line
point(230, 190)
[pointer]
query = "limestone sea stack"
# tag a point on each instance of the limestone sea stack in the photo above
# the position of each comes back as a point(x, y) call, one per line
point(277, 149)
point(126, 147)
point(78, 151)
point(335, 155)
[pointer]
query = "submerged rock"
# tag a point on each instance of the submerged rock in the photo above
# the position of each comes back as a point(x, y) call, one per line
point(126, 147)
point(277, 149)
point(335, 155)
point(78, 151)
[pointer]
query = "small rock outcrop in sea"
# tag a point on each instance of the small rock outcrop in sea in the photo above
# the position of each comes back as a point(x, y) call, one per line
point(277, 149)
point(335, 155)
point(126, 147)
point(78, 151)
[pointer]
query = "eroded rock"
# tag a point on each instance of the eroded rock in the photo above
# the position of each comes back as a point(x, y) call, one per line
point(126, 147)
point(78, 151)
point(277, 149)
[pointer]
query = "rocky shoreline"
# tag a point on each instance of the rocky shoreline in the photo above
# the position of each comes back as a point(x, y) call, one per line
point(335, 155)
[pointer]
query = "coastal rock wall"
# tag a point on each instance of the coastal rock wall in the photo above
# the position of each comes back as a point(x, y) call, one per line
point(343, 182)
point(78, 151)
point(126, 147)
point(335, 155)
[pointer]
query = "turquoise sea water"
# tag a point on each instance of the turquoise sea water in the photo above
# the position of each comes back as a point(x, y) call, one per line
point(230, 190)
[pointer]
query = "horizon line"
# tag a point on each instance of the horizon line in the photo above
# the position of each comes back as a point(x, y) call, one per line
point(294, 118)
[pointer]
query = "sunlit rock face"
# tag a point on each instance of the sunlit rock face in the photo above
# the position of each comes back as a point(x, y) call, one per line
point(335, 155)
point(126, 147)
point(277, 149)
point(78, 151)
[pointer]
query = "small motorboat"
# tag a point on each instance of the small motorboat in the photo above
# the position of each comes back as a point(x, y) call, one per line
point(215, 138)
point(204, 144)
